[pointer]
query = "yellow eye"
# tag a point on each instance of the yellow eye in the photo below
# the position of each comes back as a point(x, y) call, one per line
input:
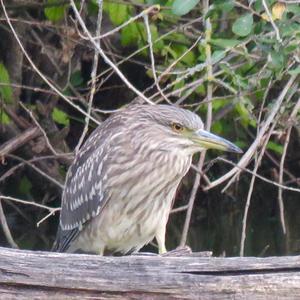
point(177, 127)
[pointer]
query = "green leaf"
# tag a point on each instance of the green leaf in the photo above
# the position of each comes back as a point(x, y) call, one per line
point(60, 117)
point(225, 43)
point(217, 56)
point(179, 85)
point(224, 6)
point(241, 144)
point(92, 7)
point(130, 35)
point(54, 13)
point(201, 90)
point(4, 118)
point(294, 71)
point(189, 58)
point(118, 13)
point(219, 103)
point(277, 60)
point(275, 147)
point(159, 45)
point(181, 7)
point(25, 185)
point(243, 25)
point(294, 8)
point(289, 30)
point(290, 48)
point(243, 109)
point(6, 91)
point(217, 128)
point(160, 2)
point(76, 79)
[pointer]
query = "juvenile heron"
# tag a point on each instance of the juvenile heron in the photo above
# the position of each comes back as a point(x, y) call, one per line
point(120, 189)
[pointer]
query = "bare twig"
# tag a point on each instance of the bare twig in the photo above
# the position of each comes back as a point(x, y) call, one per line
point(178, 209)
point(146, 12)
point(293, 115)
point(93, 77)
point(149, 38)
point(38, 170)
point(191, 201)
point(50, 209)
point(52, 86)
point(247, 205)
point(237, 3)
point(40, 128)
point(288, 188)
point(174, 63)
point(11, 171)
point(155, 41)
point(32, 88)
point(51, 213)
point(5, 228)
point(281, 168)
point(290, 1)
point(208, 125)
point(257, 142)
point(105, 57)
point(271, 21)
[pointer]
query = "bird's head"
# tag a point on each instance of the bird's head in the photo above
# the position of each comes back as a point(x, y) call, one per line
point(171, 128)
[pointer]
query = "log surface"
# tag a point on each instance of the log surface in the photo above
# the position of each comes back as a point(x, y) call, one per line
point(46, 275)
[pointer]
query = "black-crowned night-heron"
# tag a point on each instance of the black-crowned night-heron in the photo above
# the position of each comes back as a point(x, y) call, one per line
point(120, 189)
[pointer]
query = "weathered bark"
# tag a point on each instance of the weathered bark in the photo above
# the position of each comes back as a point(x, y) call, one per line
point(43, 275)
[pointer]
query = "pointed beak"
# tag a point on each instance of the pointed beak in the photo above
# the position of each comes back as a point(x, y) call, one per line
point(207, 140)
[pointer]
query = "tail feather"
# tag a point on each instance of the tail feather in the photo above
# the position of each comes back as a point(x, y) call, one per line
point(64, 239)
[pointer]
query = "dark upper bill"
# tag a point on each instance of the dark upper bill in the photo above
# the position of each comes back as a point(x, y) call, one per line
point(208, 140)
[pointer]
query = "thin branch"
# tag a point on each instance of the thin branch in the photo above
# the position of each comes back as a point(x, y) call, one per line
point(150, 10)
point(38, 170)
point(179, 209)
point(27, 162)
point(155, 41)
point(271, 21)
point(257, 142)
point(281, 168)
point(51, 213)
point(6, 229)
point(105, 57)
point(40, 128)
point(296, 109)
point(149, 38)
point(175, 62)
point(38, 71)
point(208, 31)
point(50, 209)
point(288, 188)
point(247, 205)
point(93, 76)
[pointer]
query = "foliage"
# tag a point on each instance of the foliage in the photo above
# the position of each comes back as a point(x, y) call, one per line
point(5, 89)
point(60, 117)
point(181, 8)
point(54, 13)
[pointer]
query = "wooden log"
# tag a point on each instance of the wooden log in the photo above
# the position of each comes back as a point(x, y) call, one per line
point(45, 275)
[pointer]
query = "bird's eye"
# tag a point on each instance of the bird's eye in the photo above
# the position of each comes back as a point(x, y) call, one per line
point(177, 127)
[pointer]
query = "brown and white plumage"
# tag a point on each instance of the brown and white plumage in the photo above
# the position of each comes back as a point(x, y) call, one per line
point(120, 188)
